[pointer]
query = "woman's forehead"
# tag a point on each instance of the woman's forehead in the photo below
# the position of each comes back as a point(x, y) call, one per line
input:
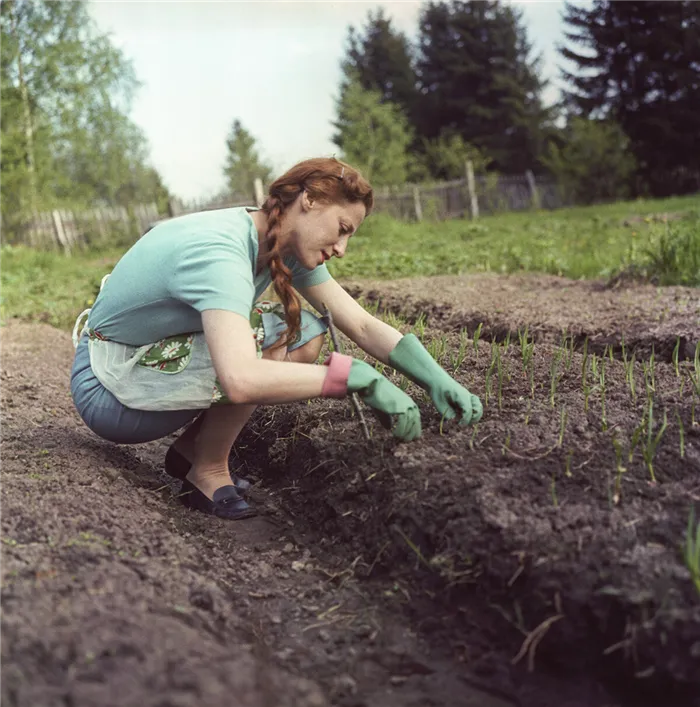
point(355, 213)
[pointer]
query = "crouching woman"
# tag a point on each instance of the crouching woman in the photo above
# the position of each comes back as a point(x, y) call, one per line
point(177, 336)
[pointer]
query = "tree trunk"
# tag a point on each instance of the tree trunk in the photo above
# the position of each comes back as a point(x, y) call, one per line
point(28, 126)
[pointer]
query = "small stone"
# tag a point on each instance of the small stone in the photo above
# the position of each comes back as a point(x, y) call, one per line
point(276, 619)
point(398, 679)
point(344, 685)
point(298, 566)
point(324, 635)
point(288, 548)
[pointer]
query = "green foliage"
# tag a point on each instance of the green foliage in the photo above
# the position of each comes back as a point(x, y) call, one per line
point(243, 164)
point(673, 258)
point(445, 157)
point(66, 91)
point(587, 242)
point(379, 57)
point(478, 80)
point(46, 286)
point(593, 163)
point(373, 136)
point(638, 63)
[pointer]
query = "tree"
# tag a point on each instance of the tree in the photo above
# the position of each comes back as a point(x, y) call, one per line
point(373, 135)
point(379, 57)
point(478, 80)
point(243, 164)
point(67, 139)
point(592, 162)
point(638, 64)
point(446, 156)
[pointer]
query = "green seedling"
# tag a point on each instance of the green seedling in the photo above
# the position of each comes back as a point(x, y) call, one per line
point(473, 437)
point(623, 350)
point(649, 375)
point(419, 326)
point(674, 356)
point(652, 440)
point(461, 355)
point(681, 433)
point(620, 470)
point(567, 468)
point(477, 336)
point(499, 373)
point(691, 551)
point(629, 374)
point(570, 352)
point(554, 380)
point(528, 411)
point(604, 420)
point(562, 425)
point(527, 349)
point(506, 445)
point(584, 376)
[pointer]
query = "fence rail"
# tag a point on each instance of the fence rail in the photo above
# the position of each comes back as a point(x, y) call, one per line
point(460, 198)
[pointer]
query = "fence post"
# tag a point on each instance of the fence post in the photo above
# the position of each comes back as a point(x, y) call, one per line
point(416, 203)
point(473, 201)
point(258, 191)
point(58, 230)
point(534, 193)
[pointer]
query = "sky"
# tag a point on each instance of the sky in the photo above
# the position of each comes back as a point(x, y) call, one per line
point(275, 66)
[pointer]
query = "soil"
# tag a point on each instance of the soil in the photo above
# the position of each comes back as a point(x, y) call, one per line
point(510, 563)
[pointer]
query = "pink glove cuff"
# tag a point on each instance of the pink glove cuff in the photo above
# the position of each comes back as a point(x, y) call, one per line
point(336, 383)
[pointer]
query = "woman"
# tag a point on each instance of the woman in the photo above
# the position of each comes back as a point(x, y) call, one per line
point(175, 331)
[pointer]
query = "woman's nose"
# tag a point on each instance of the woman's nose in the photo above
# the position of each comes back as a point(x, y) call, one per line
point(339, 248)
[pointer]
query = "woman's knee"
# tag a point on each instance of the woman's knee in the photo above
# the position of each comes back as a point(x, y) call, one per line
point(309, 352)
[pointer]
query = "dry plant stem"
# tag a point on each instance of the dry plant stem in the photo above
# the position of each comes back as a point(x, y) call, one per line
point(533, 640)
point(336, 346)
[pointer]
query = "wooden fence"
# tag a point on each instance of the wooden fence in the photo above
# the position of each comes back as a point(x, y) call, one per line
point(469, 197)
point(67, 229)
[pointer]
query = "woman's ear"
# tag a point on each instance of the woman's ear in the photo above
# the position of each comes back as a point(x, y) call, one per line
point(306, 201)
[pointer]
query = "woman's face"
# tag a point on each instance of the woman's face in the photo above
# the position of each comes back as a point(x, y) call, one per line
point(321, 230)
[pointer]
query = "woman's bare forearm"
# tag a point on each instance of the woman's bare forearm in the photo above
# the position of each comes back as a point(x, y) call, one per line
point(377, 338)
point(265, 382)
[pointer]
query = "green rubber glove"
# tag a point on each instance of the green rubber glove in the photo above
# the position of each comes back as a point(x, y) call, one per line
point(396, 410)
point(449, 397)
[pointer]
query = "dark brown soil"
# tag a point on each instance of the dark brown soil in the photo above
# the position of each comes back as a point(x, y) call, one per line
point(378, 574)
point(607, 313)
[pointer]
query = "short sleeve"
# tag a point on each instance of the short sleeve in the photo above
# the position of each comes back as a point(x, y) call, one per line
point(215, 273)
point(301, 277)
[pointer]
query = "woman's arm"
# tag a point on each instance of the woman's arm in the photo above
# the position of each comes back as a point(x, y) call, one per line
point(369, 333)
point(247, 379)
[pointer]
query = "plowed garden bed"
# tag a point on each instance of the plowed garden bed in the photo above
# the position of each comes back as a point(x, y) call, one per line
point(535, 559)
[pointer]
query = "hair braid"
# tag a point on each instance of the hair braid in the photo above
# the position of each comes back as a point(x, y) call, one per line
point(281, 274)
point(325, 179)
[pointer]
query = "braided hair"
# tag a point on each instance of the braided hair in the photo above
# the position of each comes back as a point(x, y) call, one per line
point(324, 179)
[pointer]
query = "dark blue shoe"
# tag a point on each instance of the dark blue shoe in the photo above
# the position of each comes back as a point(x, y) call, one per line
point(226, 502)
point(178, 467)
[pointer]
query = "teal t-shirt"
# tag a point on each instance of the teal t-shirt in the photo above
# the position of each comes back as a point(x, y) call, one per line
point(164, 282)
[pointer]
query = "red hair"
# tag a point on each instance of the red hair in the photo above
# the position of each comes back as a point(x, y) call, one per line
point(324, 179)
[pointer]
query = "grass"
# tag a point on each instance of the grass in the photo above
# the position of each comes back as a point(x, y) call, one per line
point(590, 242)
